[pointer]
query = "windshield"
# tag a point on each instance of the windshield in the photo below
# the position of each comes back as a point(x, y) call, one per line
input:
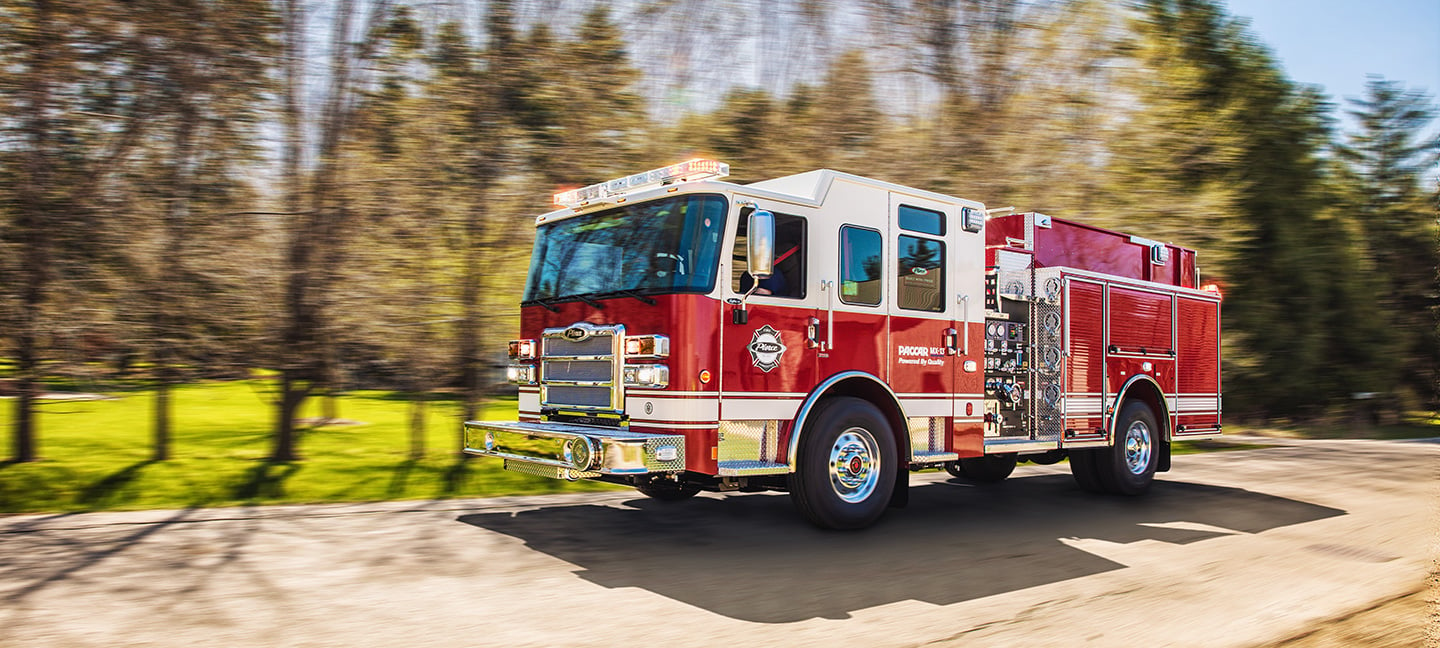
point(661, 246)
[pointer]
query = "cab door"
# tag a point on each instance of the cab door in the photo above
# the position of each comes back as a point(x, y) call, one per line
point(924, 336)
point(768, 365)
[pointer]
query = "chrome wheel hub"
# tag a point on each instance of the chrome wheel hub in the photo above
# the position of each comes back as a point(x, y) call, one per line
point(854, 465)
point(1137, 447)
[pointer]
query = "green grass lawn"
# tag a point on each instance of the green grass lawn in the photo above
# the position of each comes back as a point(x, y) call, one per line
point(1413, 425)
point(96, 454)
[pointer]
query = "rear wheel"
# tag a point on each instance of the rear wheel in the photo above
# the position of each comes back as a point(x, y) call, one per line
point(845, 471)
point(1128, 466)
point(1136, 453)
point(668, 491)
point(1083, 466)
point(988, 469)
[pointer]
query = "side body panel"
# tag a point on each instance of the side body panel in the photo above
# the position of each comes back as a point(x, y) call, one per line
point(1061, 243)
point(1198, 367)
point(1085, 399)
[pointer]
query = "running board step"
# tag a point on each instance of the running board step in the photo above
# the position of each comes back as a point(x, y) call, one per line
point(748, 468)
point(926, 457)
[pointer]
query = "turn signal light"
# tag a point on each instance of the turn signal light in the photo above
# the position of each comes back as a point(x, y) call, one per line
point(647, 346)
point(523, 349)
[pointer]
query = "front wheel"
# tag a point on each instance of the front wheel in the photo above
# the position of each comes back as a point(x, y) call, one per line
point(846, 469)
point(667, 491)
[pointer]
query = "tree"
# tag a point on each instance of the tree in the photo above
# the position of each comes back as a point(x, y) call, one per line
point(1389, 168)
point(316, 234)
point(72, 116)
point(1226, 127)
point(204, 66)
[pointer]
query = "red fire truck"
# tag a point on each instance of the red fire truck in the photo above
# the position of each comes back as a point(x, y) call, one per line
point(826, 334)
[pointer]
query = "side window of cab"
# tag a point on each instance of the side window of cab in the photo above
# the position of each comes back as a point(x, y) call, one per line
point(788, 280)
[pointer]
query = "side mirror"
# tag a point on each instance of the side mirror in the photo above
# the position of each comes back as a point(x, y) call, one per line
point(760, 244)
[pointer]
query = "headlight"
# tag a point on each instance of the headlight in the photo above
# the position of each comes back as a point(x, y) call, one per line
point(520, 374)
point(647, 375)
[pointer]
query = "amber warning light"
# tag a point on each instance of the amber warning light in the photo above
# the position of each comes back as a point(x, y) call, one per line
point(690, 170)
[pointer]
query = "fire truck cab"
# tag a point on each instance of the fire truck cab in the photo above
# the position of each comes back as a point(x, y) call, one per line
point(826, 333)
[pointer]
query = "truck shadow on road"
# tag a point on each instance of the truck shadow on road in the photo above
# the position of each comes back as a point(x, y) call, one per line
point(750, 557)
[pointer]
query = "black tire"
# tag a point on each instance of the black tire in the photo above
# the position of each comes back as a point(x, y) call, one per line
point(667, 491)
point(956, 469)
point(1128, 467)
point(989, 469)
point(845, 471)
point(1083, 466)
point(1047, 458)
point(1121, 469)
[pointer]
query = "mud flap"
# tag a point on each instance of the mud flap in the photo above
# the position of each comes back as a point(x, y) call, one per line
point(1163, 461)
point(900, 497)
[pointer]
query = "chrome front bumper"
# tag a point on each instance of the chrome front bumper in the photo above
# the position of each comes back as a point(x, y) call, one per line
point(569, 451)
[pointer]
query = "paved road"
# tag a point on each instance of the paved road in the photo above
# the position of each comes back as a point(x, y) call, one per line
point(1229, 549)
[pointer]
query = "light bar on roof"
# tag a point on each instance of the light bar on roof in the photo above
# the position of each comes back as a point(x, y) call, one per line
point(690, 170)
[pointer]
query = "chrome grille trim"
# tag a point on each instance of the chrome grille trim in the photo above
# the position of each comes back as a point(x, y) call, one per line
point(577, 372)
point(581, 367)
point(596, 346)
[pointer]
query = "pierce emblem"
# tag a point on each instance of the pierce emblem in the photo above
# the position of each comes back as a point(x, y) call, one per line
point(766, 349)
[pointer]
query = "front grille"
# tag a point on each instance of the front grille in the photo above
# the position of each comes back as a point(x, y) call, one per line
point(582, 373)
point(599, 344)
point(593, 397)
point(578, 370)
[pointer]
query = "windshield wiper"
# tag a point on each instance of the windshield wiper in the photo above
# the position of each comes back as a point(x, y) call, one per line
point(636, 294)
point(541, 302)
point(587, 299)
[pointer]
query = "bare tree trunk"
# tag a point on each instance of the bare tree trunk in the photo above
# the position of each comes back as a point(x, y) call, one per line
point(470, 333)
point(417, 424)
point(470, 323)
point(35, 209)
point(293, 17)
point(166, 320)
point(162, 421)
point(291, 397)
point(315, 236)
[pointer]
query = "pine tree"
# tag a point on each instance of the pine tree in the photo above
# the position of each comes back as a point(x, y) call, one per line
point(1390, 166)
point(1247, 141)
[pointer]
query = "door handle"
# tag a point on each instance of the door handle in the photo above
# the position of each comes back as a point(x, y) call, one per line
point(812, 333)
point(965, 320)
point(952, 341)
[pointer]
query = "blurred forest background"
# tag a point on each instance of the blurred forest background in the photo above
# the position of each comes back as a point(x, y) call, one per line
point(342, 193)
